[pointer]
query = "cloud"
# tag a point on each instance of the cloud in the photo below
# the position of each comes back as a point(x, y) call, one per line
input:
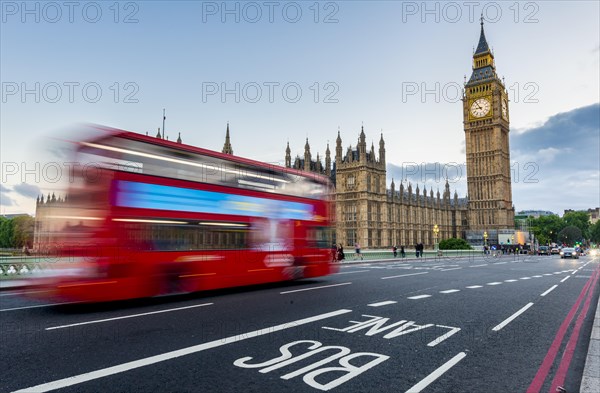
point(555, 165)
point(5, 199)
point(27, 190)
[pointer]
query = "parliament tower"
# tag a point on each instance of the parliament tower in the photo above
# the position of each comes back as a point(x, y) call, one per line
point(486, 125)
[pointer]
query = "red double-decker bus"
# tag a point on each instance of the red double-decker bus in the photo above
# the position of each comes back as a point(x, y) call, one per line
point(145, 216)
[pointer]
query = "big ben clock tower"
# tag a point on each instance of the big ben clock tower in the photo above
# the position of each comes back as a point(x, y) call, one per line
point(486, 124)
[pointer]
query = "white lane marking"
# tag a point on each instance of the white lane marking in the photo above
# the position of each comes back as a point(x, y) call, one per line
point(549, 290)
point(500, 263)
point(494, 283)
point(38, 306)
point(485, 264)
point(537, 276)
point(357, 271)
point(436, 374)
point(385, 303)
point(454, 268)
point(511, 280)
point(128, 316)
point(525, 278)
point(475, 286)
point(310, 289)
point(565, 279)
point(24, 292)
point(419, 297)
point(403, 275)
point(571, 273)
point(70, 381)
point(450, 291)
point(512, 317)
point(547, 274)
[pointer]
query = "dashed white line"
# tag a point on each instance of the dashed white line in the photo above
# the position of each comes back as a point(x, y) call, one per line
point(537, 276)
point(494, 283)
point(511, 318)
point(450, 291)
point(436, 374)
point(485, 264)
point(403, 275)
point(38, 306)
point(357, 271)
point(310, 289)
point(89, 376)
point(525, 278)
point(500, 263)
point(454, 268)
point(547, 274)
point(418, 297)
point(385, 303)
point(511, 280)
point(549, 290)
point(565, 279)
point(128, 316)
point(474, 286)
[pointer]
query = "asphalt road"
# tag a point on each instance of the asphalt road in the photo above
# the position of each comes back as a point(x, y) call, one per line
point(486, 324)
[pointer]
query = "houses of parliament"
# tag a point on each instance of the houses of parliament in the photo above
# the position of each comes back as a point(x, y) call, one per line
point(369, 213)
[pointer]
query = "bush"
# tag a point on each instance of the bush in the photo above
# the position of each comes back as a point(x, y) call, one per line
point(454, 244)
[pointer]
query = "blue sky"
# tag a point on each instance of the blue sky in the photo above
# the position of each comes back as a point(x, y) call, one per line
point(354, 65)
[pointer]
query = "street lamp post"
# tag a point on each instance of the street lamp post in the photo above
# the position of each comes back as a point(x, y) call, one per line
point(436, 231)
point(485, 236)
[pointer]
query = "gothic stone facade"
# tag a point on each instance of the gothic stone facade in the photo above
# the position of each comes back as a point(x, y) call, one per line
point(370, 214)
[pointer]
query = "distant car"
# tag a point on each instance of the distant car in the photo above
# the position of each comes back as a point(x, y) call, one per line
point(555, 250)
point(568, 252)
point(543, 250)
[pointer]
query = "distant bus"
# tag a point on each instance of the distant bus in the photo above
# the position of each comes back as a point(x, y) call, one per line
point(145, 216)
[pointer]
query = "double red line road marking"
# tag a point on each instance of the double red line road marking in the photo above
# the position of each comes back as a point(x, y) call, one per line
point(559, 378)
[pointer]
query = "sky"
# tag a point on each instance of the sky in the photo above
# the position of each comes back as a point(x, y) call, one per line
point(282, 72)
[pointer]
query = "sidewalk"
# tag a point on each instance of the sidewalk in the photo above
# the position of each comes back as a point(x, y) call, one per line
point(590, 382)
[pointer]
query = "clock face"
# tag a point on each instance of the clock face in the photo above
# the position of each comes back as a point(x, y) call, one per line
point(480, 107)
point(504, 108)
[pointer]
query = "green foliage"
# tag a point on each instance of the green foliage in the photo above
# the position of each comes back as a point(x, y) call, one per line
point(454, 244)
point(6, 233)
point(594, 232)
point(546, 228)
point(569, 235)
point(579, 220)
point(16, 232)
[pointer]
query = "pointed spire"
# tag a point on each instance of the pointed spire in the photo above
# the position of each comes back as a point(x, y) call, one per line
point(287, 149)
point(227, 149)
point(179, 138)
point(482, 46)
point(158, 134)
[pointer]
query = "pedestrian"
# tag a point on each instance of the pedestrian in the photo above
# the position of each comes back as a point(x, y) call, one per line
point(395, 249)
point(341, 255)
point(357, 250)
point(417, 249)
point(334, 252)
point(402, 252)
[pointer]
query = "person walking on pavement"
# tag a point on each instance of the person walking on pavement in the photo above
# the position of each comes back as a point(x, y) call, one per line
point(402, 252)
point(357, 249)
point(395, 250)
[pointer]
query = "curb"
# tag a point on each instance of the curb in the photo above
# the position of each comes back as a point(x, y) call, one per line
point(590, 382)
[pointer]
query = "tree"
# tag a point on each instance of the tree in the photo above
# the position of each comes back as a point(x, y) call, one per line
point(595, 232)
point(569, 235)
point(454, 244)
point(546, 228)
point(23, 231)
point(6, 233)
point(579, 219)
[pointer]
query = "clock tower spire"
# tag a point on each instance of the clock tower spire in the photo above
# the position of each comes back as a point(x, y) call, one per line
point(486, 125)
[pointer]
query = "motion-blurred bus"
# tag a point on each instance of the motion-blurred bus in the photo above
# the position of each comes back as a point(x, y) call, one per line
point(146, 216)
